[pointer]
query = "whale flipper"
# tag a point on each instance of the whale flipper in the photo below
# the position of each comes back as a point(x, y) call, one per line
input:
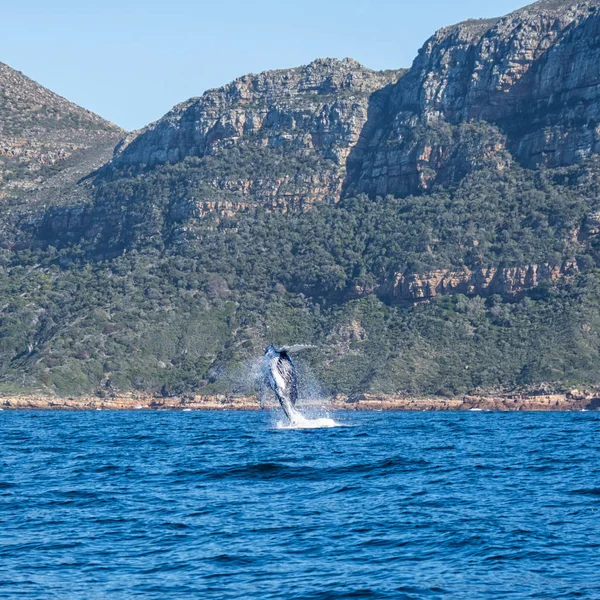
point(296, 348)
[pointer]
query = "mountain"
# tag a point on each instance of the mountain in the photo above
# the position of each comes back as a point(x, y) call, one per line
point(314, 114)
point(46, 143)
point(481, 95)
point(277, 140)
point(486, 94)
point(429, 230)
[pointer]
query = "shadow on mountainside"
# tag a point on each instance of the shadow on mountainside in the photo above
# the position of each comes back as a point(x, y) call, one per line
point(377, 113)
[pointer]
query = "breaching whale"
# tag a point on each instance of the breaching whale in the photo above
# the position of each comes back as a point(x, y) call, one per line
point(280, 374)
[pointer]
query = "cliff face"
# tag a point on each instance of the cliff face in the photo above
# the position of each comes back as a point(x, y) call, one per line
point(485, 94)
point(482, 94)
point(316, 112)
point(483, 281)
point(278, 140)
point(508, 282)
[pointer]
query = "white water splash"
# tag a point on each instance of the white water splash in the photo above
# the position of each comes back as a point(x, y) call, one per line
point(312, 398)
point(301, 422)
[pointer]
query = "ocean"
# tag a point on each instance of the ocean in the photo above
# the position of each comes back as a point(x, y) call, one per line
point(221, 505)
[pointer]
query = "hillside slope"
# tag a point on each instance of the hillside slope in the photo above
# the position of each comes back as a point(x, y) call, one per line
point(46, 145)
point(278, 140)
point(313, 114)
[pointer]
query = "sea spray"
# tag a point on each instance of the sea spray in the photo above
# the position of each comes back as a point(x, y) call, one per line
point(243, 378)
point(313, 399)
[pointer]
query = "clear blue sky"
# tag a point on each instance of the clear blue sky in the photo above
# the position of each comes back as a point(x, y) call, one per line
point(132, 60)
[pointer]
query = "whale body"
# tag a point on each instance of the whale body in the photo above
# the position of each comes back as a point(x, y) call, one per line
point(280, 373)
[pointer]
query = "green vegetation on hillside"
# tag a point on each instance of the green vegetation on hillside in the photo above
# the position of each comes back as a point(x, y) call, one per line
point(186, 304)
point(155, 323)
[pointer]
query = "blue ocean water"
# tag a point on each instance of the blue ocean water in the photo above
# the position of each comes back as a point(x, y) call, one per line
point(224, 505)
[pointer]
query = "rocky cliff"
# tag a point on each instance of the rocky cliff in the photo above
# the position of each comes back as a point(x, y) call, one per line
point(278, 140)
point(508, 282)
point(315, 113)
point(482, 94)
point(482, 281)
point(490, 95)
point(485, 94)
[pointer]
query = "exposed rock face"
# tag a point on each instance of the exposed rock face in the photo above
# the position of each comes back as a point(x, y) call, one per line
point(481, 281)
point(365, 402)
point(278, 140)
point(316, 112)
point(483, 93)
point(42, 134)
point(486, 281)
point(480, 95)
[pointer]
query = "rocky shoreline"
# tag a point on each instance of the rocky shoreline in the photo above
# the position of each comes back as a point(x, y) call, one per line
point(572, 401)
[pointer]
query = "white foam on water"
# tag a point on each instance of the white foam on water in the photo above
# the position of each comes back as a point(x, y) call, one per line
point(301, 422)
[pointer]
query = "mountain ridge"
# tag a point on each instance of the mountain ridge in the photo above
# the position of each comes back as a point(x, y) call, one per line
point(322, 77)
point(40, 128)
point(47, 144)
point(503, 78)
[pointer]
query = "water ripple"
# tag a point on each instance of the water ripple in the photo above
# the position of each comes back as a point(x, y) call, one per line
point(220, 505)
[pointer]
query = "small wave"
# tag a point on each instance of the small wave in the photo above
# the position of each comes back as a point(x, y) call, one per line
point(263, 470)
point(346, 488)
point(107, 469)
point(175, 526)
point(587, 492)
point(229, 559)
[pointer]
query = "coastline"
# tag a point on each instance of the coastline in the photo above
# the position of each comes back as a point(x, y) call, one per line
point(367, 402)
